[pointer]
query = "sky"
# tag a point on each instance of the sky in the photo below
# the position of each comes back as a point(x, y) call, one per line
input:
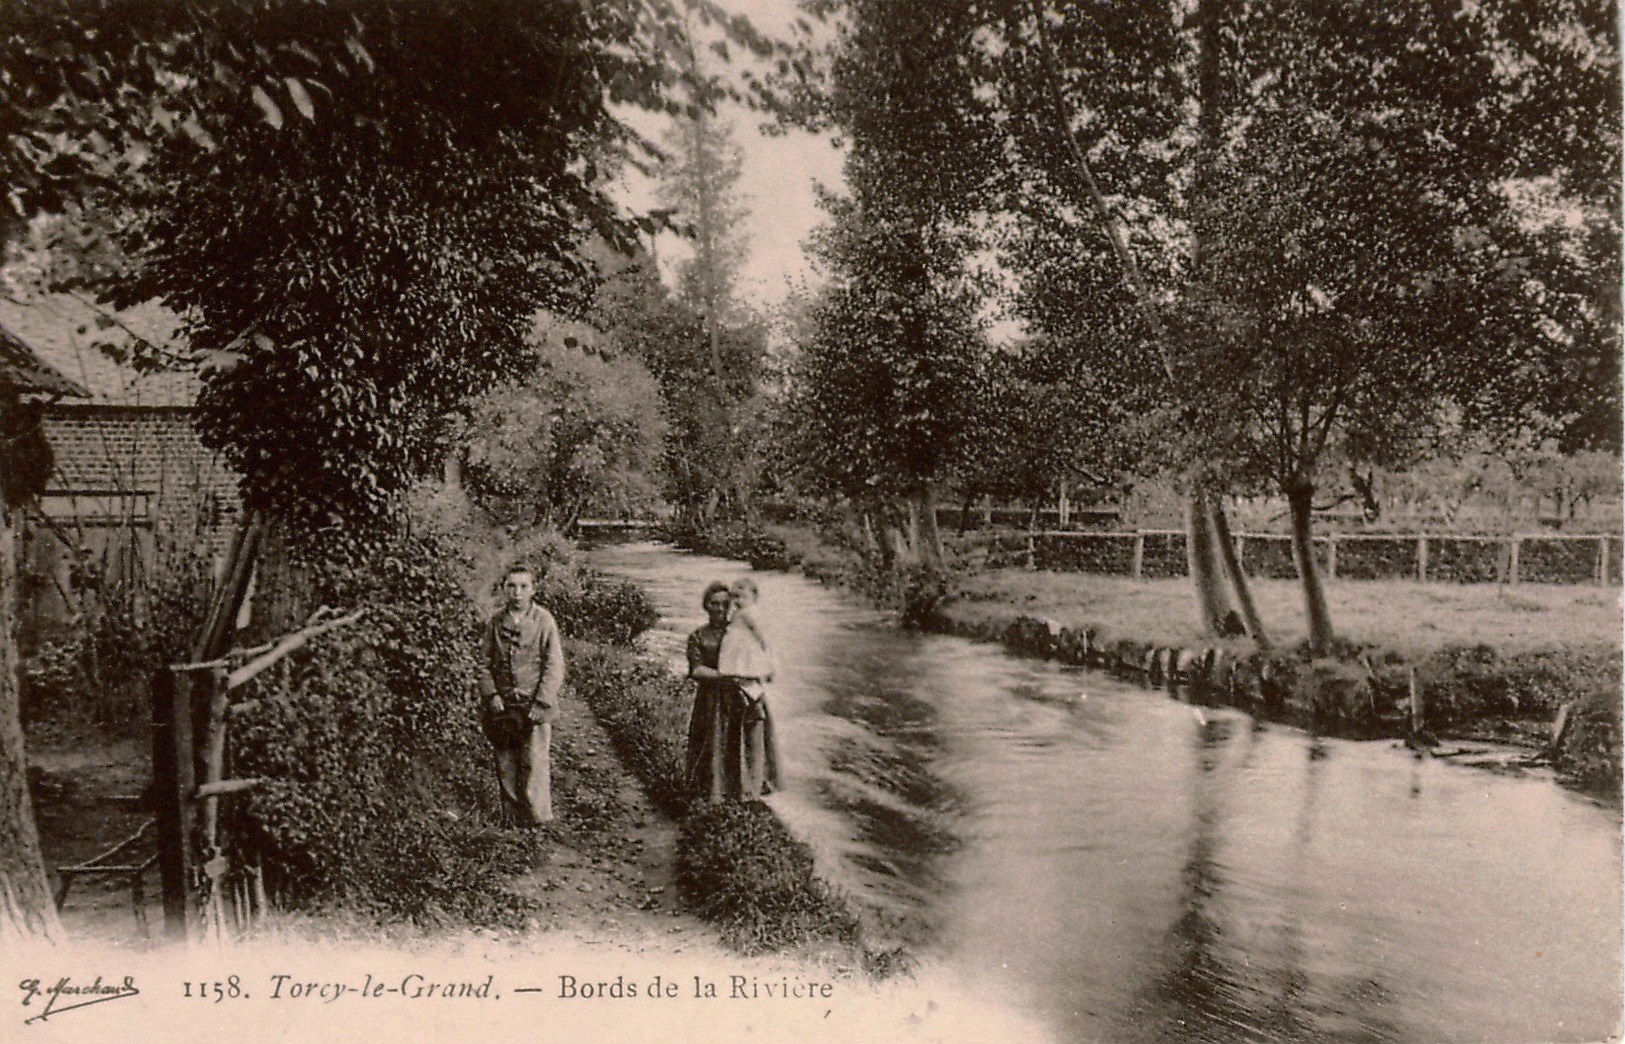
point(776, 186)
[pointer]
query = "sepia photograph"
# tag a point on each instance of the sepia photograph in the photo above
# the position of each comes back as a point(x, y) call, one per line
point(819, 520)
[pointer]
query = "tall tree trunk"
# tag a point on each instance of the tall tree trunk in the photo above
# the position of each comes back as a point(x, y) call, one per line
point(930, 536)
point(1211, 598)
point(1300, 495)
point(1219, 530)
point(27, 912)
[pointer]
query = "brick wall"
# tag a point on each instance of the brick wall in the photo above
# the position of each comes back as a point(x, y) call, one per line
point(127, 484)
point(120, 462)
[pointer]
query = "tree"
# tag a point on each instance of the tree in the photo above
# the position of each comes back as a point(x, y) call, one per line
point(1051, 417)
point(358, 206)
point(582, 433)
point(1366, 264)
point(886, 394)
point(713, 396)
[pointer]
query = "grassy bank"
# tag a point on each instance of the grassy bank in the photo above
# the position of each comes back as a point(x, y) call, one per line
point(1491, 661)
point(737, 865)
point(1411, 618)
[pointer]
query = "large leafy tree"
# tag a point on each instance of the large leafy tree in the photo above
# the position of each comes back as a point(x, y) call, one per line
point(357, 206)
point(888, 390)
point(1367, 265)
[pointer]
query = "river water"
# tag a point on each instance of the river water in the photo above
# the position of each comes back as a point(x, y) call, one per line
point(1125, 866)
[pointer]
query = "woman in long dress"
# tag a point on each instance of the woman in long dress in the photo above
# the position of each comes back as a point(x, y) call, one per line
point(732, 754)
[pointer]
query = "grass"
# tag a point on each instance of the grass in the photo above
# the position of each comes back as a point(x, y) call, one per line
point(1409, 617)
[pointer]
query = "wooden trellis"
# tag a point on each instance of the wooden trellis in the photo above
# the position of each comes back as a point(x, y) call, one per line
point(206, 887)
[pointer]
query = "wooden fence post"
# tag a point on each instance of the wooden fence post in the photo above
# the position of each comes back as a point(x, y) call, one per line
point(173, 780)
point(1138, 565)
point(1331, 556)
point(1602, 560)
point(1512, 559)
point(1422, 557)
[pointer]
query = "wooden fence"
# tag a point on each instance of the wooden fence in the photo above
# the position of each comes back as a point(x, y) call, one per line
point(1440, 557)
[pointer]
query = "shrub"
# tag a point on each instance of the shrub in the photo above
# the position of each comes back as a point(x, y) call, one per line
point(1376, 557)
point(124, 623)
point(761, 549)
point(741, 869)
point(592, 607)
point(380, 788)
point(1474, 681)
point(1590, 755)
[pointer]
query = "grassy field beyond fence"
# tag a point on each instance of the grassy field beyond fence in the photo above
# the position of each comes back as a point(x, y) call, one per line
point(1404, 615)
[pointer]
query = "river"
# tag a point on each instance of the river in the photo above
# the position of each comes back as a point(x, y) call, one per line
point(1125, 866)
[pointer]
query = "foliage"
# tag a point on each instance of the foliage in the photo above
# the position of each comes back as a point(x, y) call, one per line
point(128, 616)
point(887, 391)
point(1467, 682)
point(1054, 416)
point(708, 371)
point(740, 868)
point(379, 790)
point(1590, 756)
point(581, 434)
point(761, 549)
point(359, 207)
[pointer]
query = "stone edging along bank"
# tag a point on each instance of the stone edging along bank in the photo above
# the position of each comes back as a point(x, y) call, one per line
point(1571, 715)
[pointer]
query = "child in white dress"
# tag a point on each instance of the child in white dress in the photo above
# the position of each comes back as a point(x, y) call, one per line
point(744, 653)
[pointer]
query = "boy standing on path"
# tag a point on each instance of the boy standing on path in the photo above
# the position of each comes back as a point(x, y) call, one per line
point(522, 674)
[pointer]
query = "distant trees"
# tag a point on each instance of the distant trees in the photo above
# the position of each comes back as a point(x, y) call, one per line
point(583, 433)
point(704, 346)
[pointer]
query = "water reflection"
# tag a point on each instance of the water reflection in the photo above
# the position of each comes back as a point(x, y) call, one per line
point(1130, 867)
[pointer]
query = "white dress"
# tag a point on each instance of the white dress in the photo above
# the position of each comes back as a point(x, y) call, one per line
point(746, 655)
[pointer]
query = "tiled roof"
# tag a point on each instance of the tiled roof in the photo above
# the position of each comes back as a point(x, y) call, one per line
point(87, 344)
point(25, 371)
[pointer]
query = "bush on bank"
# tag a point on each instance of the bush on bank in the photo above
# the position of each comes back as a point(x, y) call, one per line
point(737, 865)
point(740, 868)
point(915, 592)
point(379, 792)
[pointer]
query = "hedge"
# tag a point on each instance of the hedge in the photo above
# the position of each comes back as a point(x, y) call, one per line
point(1376, 558)
point(737, 865)
point(1465, 561)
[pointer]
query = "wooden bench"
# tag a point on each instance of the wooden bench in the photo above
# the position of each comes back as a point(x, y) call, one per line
point(125, 859)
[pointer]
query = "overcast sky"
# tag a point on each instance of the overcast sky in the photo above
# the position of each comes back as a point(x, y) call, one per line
point(775, 185)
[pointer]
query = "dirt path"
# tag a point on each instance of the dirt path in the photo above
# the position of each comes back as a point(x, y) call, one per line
point(607, 878)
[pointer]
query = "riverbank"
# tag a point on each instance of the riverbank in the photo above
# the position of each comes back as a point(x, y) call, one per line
point(624, 847)
point(1489, 664)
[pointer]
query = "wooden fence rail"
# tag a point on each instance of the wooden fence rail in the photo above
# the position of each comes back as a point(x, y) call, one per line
point(1593, 558)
